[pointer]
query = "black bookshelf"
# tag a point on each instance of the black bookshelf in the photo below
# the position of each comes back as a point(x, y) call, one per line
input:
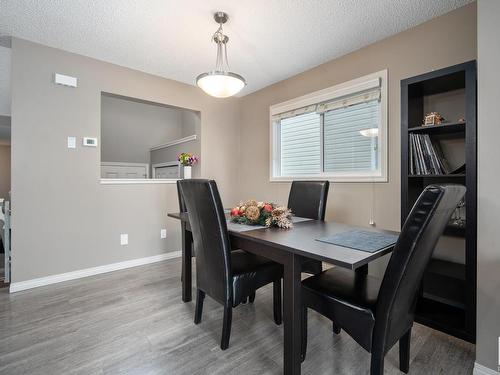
point(447, 297)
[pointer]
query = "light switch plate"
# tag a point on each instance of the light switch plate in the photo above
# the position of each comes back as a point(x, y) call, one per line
point(71, 142)
point(90, 142)
point(163, 233)
point(124, 239)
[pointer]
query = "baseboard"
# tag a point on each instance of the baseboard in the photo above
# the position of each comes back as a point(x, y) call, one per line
point(53, 279)
point(482, 370)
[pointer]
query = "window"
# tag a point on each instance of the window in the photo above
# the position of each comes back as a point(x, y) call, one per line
point(338, 133)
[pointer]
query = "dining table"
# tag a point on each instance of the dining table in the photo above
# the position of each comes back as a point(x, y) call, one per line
point(289, 247)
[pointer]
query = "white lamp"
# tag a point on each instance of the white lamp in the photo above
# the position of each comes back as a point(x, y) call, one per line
point(221, 83)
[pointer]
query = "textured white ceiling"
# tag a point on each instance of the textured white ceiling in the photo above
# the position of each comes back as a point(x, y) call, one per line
point(270, 40)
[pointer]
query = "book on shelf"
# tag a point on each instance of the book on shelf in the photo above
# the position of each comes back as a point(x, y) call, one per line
point(426, 157)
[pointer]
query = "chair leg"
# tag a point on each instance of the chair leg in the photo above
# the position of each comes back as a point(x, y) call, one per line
point(303, 346)
point(335, 328)
point(200, 297)
point(277, 302)
point(226, 327)
point(404, 352)
point(377, 364)
point(251, 297)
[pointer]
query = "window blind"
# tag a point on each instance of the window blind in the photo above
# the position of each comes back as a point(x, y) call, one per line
point(301, 144)
point(350, 100)
point(345, 149)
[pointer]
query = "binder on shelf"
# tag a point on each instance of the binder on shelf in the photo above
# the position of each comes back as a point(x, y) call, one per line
point(426, 156)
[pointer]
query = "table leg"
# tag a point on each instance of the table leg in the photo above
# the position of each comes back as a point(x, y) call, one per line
point(187, 243)
point(363, 270)
point(292, 315)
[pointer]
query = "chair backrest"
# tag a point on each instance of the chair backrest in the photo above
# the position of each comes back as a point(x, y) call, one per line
point(182, 205)
point(210, 237)
point(421, 231)
point(308, 199)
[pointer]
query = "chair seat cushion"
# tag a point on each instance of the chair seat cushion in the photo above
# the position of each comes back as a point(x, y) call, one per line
point(251, 272)
point(346, 298)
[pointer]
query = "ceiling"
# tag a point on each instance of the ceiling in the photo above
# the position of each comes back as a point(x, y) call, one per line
point(270, 40)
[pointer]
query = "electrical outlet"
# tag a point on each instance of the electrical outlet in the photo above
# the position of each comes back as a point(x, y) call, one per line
point(124, 239)
point(163, 233)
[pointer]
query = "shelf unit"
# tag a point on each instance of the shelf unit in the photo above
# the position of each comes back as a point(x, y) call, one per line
point(447, 297)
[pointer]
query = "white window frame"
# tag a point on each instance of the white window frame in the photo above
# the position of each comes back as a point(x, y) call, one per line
point(325, 95)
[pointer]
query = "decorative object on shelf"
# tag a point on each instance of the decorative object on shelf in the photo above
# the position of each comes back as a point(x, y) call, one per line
point(221, 83)
point(461, 119)
point(458, 219)
point(433, 118)
point(262, 213)
point(187, 160)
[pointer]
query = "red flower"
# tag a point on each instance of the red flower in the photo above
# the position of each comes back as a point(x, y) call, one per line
point(235, 211)
point(268, 207)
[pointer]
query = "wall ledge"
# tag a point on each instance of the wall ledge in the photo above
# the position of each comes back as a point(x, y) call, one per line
point(135, 181)
point(54, 279)
point(174, 142)
point(483, 370)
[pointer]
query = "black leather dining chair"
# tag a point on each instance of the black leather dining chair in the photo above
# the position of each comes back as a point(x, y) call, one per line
point(229, 277)
point(308, 199)
point(182, 208)
point(378, 313)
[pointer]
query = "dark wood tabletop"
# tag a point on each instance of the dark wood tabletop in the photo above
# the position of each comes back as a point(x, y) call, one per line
point(302, 240)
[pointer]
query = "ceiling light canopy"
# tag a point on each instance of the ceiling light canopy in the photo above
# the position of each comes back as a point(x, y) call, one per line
point(220, 82)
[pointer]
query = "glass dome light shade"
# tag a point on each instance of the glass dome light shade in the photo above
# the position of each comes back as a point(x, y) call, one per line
point(220, 84)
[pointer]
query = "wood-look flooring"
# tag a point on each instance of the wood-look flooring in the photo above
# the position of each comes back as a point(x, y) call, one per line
point(133, 322)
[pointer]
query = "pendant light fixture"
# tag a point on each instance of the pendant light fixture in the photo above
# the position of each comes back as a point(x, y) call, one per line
point(220, 82)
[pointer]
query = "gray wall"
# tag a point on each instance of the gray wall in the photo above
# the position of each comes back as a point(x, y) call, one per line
point(64, 219)
point(403, 55)
point(4, 171)
point(5, 74)
point(129, 129)
point(4, 130)
point(488, 236)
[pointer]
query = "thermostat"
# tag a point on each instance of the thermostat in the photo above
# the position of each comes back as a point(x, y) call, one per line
point(90, 142)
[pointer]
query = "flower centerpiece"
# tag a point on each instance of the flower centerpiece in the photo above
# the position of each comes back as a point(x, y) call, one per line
point(261, 213)
point(187, 160)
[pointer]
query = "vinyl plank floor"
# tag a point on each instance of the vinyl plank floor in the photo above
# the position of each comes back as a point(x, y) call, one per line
point(133, 322)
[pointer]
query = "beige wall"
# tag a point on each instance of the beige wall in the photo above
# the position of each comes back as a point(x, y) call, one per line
point(444, 41)
point(4, 171)
point(488, 235)
point(63, 218)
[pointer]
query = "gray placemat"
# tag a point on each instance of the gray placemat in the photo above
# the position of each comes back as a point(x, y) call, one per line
point(244, 227)
point(361, 240)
